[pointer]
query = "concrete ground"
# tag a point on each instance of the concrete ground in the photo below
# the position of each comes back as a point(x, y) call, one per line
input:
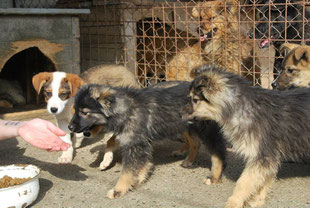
point(81, 184)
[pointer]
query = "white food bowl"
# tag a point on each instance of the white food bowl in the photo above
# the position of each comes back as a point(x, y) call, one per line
point(22, 195)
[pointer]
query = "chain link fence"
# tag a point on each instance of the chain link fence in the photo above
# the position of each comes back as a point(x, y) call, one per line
point(164, 40)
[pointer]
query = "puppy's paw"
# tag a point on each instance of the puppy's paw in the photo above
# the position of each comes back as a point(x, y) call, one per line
point(64, 160)
point(186, 164)
point(210, 181)
point(66, 157)
point(233, 204)
point(112, 194)
point(107, 160)
point(256, 202)
point(177, 153)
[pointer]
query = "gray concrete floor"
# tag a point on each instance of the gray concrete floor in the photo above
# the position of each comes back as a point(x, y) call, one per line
point(81, 184)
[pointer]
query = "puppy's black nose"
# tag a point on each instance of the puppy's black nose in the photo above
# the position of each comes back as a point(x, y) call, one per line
point(54, 110)
point(71, 127)
point(274, 85)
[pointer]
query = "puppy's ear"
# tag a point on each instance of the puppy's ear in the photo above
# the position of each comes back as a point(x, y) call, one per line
point(38, 80)
point(205, 85)
point(302, 53)
point(193, 73)
point(105, 98)
point(231, 6)
point(196, 10)
point(285, 48)
point(74, 82)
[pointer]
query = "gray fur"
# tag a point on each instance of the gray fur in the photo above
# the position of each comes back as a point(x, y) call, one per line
point(280, 121)
point(264, 126)
point(139, 117)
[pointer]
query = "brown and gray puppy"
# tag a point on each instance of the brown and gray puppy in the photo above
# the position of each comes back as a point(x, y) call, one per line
point(296, 67)
point(191, 145)
point(265, 127)
point(114, 76)
point(138, 118)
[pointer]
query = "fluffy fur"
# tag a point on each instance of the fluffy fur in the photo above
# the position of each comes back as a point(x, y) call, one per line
point(157, 43)
point(111, 75)
point(139, 117)
point(281, 29)
point(264, 126)
point(219, 43)
point(296, 67)
point(191, 145)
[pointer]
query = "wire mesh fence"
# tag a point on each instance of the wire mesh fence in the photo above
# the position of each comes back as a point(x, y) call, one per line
point(164, 40)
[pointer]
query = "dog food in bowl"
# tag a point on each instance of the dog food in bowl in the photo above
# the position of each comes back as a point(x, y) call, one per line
point(19, 185)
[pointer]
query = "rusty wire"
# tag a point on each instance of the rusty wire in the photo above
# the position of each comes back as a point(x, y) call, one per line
point(146, 35)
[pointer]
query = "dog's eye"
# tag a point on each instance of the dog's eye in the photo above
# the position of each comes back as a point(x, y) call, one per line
point(48, 94)
point(83, 113)
point(211, 18)
point(195, 100)
point(290, 71)
point(63, 95)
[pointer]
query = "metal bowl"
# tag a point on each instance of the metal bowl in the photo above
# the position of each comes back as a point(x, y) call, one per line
point(21, 195)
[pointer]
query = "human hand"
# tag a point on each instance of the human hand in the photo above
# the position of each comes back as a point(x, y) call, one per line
point(43, 134)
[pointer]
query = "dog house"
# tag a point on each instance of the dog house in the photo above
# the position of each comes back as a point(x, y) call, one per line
point(35, 40)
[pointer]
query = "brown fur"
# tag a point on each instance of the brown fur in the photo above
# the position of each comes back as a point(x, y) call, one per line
point(180, 66)
point(127, 181)
point(157, 45)
point(111, 75)
point(296, 67)
point(74, 82)
point(40, 79)
point(226, 47)
point(191, 146)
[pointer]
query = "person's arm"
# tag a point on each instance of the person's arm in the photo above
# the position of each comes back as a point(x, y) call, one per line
point(40, 133)
point(8, 129)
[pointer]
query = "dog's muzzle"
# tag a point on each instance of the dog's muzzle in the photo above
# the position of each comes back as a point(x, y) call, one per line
point(74, 125)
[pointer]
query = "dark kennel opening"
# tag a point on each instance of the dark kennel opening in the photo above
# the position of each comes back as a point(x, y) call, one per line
point(16, 77)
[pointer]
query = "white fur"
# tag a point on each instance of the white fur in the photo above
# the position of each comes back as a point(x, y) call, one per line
point(55, 101)
point(63, 117)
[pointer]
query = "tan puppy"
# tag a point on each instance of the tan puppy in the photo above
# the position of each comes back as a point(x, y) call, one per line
point(296, 67)
point(111, 75)
point(219, 43)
